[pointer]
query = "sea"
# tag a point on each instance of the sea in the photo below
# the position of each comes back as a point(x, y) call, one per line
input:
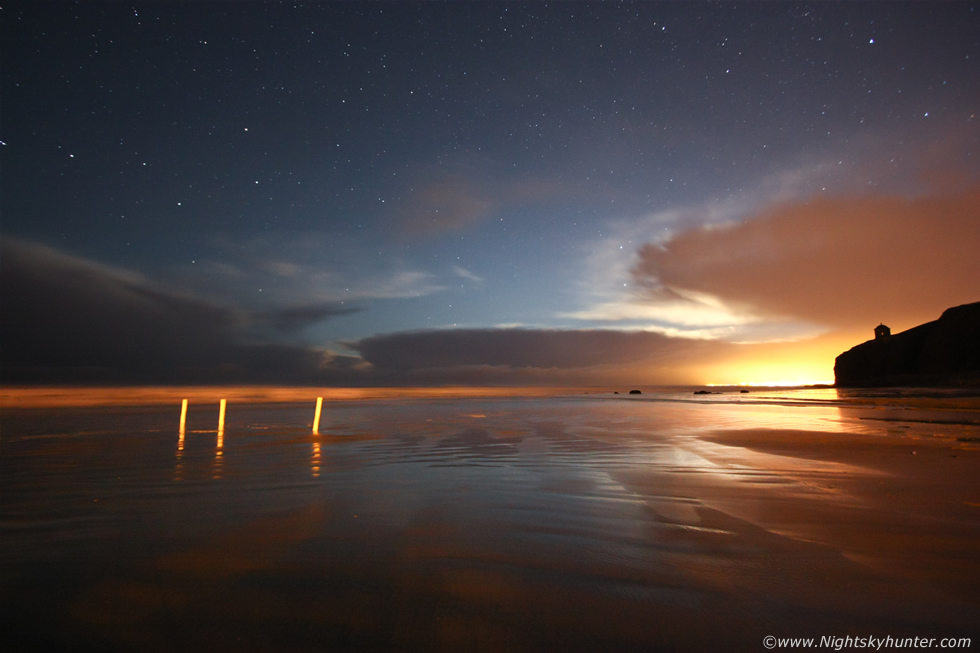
point(485, 519)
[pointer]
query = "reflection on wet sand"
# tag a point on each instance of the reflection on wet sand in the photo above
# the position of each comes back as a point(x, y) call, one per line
point(219, 461)
point(179, 469)
point(315, 459)
point(510, 524)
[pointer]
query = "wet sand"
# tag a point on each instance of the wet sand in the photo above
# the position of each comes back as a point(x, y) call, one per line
point(489, 524)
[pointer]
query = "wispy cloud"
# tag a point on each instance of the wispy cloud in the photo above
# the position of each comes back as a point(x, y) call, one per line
point(311, 268)
point(442, 206)
point(466, 274)
point(477, 190)
point(398, 284)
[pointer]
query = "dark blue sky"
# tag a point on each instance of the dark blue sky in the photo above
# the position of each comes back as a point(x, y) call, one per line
point(321, 173)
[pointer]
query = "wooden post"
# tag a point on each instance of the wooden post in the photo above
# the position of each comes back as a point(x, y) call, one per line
point(221, 426)
point(221, 416)
point(179, 471)
point(183, 416)
point(316, 416)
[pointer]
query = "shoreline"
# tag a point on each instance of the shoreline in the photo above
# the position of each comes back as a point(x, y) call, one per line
point(934, 398)
point(108, 396)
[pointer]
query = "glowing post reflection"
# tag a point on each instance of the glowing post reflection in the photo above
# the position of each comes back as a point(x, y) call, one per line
point(179, 471)
point(219, 446)
point(316, 416)
point(315, 460)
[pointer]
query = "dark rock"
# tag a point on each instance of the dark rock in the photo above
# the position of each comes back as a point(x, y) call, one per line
point(744, 392)
point(635, 392)
point(616, 392)
point(704, 392)
point(943, 352)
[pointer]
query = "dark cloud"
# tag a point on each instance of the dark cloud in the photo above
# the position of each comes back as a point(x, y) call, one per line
point(69, 320)
point(841, 262)
point(516, 348)
point(66, 319)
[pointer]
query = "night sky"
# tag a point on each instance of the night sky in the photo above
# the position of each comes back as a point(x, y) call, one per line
point(480, 192)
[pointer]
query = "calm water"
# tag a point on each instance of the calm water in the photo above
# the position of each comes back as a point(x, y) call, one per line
point(562, 523)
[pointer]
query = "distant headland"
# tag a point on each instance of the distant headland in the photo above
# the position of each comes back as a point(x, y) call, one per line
point(944, 352)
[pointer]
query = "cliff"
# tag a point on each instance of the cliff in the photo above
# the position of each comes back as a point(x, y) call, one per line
point(943, 352)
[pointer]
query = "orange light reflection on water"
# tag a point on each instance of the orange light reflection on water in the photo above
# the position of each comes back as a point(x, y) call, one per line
point(220, 443)
point(217, 468)
point(179, 469)
point(315, 460)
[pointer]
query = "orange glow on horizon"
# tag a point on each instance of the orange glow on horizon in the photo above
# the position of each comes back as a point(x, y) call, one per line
point(57, 396)
point(789, 373)
point(809, 362)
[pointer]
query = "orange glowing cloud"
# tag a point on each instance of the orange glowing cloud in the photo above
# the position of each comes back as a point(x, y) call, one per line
point(843, 263)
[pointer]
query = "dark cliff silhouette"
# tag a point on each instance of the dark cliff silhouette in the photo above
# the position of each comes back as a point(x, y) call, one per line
point(943, 352)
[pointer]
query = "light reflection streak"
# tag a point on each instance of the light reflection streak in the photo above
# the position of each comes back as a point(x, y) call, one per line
point(218, 466)
point(315, 460)
point(220, 444)
point(179, 470)
point(742, 464)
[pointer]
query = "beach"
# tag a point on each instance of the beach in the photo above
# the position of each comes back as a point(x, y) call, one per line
point(487, 520)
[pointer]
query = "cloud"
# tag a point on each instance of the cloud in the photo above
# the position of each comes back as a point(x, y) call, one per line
point(68, 319)
point(71, 320)
point(296, 318)
point(680, 317)
point(588, 357)
point(282, 269)
point(515, 348)
point(399, 285)
point(525, 356)
point(609, 290)
point(455, 202)
point(841, 262)
point(314, 267)
point(466, 274)
point(444, 206)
